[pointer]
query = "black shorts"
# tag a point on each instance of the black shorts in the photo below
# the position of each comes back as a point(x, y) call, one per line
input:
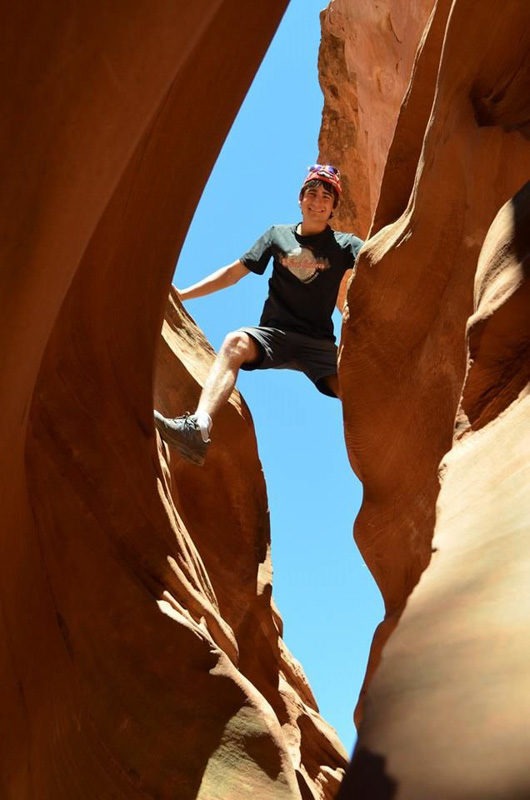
point(316, 358)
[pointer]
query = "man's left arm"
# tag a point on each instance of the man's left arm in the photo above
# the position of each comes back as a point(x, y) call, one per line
point(343, 288)
point(354, 245)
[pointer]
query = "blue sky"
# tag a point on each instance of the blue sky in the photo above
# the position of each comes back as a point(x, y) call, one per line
point(325, 593)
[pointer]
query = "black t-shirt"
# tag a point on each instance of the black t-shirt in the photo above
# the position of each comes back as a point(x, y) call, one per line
point(306, 275)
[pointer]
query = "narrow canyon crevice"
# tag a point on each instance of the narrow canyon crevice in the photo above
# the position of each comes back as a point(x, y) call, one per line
point(137, 662)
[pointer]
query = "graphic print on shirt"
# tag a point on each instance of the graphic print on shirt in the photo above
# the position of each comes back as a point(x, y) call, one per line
point(303, 264)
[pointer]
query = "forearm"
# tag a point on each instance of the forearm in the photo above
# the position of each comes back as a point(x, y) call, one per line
point(221, 279)
point(343, 290)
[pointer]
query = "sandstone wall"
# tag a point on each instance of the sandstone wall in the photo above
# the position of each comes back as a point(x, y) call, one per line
point(435, 362)
point(365, 61)
point(141, 655)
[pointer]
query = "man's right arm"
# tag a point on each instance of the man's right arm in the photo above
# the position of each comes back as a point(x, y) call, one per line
point(224, 277)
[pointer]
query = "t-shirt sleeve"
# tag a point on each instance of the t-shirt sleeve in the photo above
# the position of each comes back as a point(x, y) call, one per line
point(355, 246)
point(351, 246)
point(257, 258)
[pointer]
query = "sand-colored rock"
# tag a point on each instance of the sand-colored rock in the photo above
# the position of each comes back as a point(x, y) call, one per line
point(403, 350)
point(141, 657)
point(142, 652)
point(241, 574)
point(499, 329)
point(445, 714)
point(444, 704)
point(365, 62)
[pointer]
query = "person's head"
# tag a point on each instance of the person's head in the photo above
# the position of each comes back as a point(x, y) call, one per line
point(326, 176)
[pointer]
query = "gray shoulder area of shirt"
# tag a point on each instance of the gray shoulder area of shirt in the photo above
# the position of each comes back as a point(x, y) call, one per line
point(284, 227)
point(347, 235)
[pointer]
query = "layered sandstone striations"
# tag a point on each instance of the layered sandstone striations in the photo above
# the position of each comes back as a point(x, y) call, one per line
point(437, 330)
point(142, 656)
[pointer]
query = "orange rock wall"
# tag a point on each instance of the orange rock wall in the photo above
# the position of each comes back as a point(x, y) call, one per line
point(434, 362)
point(142, 653)
point(365, 61)
point(142, 656)
point(446, 711)
point(230, 527)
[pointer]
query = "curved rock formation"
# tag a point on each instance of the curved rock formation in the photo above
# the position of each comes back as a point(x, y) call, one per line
point(224, 506)
point(142, 653)
point(142, 656)
point(441, 716)
point(444, 715)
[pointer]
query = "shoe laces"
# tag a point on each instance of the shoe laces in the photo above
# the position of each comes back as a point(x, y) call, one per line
point(189, 421)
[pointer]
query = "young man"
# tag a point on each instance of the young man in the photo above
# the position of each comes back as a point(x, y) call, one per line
point(311, 264)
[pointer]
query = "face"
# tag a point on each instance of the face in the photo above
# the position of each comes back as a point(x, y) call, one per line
point(317, 204)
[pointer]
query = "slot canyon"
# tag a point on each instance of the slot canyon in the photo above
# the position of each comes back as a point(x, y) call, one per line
point(136, 661)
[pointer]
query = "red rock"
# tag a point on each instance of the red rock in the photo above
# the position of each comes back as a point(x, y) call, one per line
point(142, 652)
point(242, 581)
point(440, 716)
point(132, 650)
point(445, 714)
point(499, 329)
point(365, 64)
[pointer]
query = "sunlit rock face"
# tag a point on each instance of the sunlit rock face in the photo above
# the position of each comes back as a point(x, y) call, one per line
point(365, 62)
point(223, 510)
point(434, 370)
point(141, 653)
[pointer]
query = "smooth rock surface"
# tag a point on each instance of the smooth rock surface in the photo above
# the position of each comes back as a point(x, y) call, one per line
point(365, 62)
point(141, 654)
point(434, 362)
point(445, 714)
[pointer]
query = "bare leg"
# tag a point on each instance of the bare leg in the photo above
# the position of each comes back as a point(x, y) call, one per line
point(238, 348)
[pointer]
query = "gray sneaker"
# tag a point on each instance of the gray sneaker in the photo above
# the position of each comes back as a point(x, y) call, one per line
point(184, 434)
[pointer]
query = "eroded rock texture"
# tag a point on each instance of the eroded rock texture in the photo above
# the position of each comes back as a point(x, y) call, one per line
point(141, 655)
point(438, 329)
point(365, 62)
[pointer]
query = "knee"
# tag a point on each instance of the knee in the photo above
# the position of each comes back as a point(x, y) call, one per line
point(238, 347)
